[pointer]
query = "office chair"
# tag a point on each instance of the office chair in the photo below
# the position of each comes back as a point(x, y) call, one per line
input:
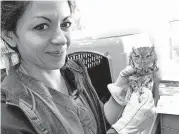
point(98, 69)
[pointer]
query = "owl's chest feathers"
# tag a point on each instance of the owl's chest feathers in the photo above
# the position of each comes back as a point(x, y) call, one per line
point(137, 82)
point(143, 59)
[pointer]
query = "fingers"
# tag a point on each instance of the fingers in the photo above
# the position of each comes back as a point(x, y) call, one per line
point(122, 78)
point(127, 71)
point(118, 93)
point(121, 81)
point(113, 88)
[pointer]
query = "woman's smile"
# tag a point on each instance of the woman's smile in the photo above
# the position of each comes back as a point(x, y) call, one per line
point(57, 53)
point(44, 34)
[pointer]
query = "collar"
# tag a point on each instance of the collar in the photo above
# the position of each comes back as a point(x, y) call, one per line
point(15, 85)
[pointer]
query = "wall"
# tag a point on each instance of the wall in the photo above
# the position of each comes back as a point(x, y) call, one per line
point(115, 16)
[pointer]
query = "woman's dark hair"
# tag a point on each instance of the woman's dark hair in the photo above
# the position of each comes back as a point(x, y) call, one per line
point(11, 11)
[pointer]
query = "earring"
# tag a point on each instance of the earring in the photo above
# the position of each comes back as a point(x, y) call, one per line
point(14, 58)
point(8, 56)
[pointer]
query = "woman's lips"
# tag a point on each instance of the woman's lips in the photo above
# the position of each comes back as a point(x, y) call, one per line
point(56, 53)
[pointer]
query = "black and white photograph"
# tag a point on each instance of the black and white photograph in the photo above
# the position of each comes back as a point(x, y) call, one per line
point(89, 67)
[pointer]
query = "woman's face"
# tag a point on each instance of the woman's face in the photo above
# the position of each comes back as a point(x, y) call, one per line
point(43, 34)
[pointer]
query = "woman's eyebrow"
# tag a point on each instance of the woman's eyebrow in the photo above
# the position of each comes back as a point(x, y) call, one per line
point(42, 17)
point(66, 18)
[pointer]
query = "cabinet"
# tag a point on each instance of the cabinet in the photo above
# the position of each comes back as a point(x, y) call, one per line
point(167, 107)
point(169, 124)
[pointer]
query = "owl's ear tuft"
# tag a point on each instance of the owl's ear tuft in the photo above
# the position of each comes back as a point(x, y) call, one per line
point(152, 49)
point(133, 50)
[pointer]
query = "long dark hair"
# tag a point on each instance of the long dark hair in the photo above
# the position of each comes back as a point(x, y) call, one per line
point(11, 11)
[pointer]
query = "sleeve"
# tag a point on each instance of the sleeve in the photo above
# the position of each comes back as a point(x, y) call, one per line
point(108, 126)
point(112, 131)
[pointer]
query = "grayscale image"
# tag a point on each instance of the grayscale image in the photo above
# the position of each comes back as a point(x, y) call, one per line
point(89, 67)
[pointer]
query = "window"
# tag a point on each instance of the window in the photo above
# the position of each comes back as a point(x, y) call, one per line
point(174, 39)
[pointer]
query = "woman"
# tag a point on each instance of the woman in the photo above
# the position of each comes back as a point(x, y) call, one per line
point(46, 93)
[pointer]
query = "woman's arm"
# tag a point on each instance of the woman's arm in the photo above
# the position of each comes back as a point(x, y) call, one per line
point(133, 117)
point(112, 110)
point(114, 107)
point(137, 116)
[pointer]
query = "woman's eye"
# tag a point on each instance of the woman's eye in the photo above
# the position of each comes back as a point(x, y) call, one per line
point(41, 27)
point(66, 24)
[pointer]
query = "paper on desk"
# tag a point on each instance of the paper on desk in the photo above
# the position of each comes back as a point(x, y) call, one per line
point(169, 91)
point(169, 70)
point(168, 105)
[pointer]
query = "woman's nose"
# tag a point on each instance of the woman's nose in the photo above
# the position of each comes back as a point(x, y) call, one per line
point(59, 38)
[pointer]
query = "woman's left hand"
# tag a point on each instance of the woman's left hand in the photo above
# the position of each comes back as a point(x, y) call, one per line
point(119, 89)
point(137, 115)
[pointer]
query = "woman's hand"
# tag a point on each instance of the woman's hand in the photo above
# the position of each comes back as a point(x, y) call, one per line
point(137, 115)
point(119, 89)
point(123, 76)
point(114, 107)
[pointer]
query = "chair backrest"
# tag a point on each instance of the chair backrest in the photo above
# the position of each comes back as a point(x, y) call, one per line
point(3, 74)
point(98, 69)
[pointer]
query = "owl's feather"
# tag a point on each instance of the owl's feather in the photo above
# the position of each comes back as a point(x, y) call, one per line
point(143, 59)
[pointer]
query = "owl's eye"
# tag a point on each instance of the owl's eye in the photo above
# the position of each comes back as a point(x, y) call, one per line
point(147, 56)
point(137, 56)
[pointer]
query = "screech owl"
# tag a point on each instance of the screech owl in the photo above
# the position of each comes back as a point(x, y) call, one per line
point(143, 59)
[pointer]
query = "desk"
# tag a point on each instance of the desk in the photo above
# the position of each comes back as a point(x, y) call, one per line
point(168, 112)
point(169, 123)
